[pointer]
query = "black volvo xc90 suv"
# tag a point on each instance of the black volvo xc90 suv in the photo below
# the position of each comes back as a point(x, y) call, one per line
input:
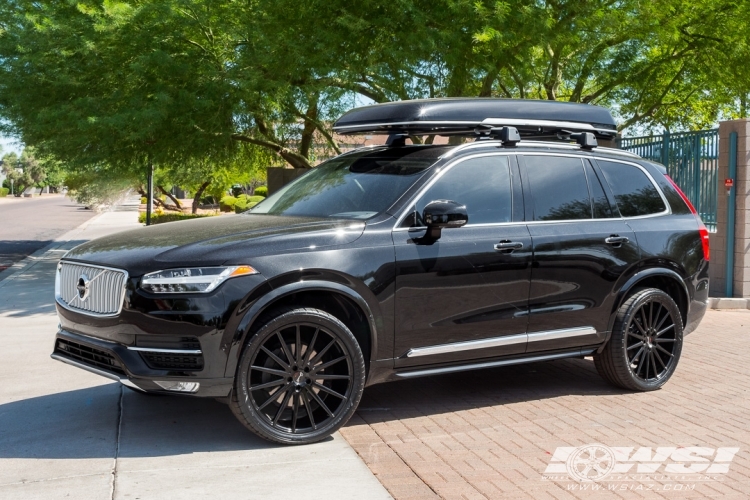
point(529, 243)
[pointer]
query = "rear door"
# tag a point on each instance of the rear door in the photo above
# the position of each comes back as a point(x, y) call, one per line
point(465, 296)
point(581, 248)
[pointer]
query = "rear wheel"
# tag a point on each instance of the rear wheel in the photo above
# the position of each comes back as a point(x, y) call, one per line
point(300, 377)
point(646, 342)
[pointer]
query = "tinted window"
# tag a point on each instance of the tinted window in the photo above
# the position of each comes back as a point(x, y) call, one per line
point(599, 201)
point(355, 186)
point(558, 188)
point(482, 184)
point(634, 192)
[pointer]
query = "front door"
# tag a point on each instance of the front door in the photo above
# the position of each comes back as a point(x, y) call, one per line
point(581, 248)
point(465, 295)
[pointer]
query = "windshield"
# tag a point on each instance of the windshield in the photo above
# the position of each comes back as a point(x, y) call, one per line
point(355, 186)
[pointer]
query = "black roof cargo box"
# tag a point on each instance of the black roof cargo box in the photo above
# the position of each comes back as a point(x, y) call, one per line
point(458, 116)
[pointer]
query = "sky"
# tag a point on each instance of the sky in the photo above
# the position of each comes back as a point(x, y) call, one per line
point(10, 145)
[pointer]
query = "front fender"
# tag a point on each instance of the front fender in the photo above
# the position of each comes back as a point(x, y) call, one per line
point(267, 300)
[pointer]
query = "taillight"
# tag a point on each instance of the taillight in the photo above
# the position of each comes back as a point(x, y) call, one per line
point(705, 241)
point(702, 228)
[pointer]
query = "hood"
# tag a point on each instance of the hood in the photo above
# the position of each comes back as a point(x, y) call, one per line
point(213, 241)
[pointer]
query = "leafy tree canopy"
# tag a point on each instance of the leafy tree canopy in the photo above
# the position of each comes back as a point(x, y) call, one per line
point(212, 82)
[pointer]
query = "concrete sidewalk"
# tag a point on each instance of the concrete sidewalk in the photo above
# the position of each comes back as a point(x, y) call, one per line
point(66, 433)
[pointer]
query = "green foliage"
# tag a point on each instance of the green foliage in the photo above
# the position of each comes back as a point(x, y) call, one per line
point(261, 191)
point(209, 89)
point(144, 200)
point(244, 202)
point(227, 203)
point(4, 192)
point(169, 217)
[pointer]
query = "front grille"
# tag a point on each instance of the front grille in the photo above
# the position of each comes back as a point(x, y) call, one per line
point(89, 355)
point(92, 290)
point(165, 361)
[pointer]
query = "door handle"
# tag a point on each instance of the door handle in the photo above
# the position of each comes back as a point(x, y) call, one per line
point(616, 239)
point(508, 246)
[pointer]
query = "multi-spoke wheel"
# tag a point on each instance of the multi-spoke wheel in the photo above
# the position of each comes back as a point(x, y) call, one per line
point(646, 342)
point(300, 377)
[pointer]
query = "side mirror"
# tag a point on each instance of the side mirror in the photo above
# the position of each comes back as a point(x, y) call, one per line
point(441, 214)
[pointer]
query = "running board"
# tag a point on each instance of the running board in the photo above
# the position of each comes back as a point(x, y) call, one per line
point(492, 364)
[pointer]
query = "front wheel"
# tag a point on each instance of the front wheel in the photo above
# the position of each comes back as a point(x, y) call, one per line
point(300, 377)
point(646, 342)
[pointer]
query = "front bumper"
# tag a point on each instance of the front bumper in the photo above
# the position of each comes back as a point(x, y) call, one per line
point(127, 366)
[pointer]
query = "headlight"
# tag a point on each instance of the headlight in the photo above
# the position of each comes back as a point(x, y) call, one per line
point(192, 279)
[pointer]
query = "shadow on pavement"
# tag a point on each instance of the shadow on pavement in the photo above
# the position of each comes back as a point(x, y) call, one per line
point(482, 389)
point(33, 291)
point(15, 250)
point(83, 424)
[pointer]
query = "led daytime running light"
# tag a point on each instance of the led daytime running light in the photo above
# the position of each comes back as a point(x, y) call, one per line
point(192, 280)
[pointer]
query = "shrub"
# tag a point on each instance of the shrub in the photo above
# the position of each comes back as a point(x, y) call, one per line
point(159, 218)
point(4, 192)
point(245, 203)
point(144, 200)
point(261, 191)
point(227, 203)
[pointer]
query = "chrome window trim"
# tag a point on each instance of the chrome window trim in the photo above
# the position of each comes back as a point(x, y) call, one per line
point(162, 350)
point(501, 341)
point(667, 211)
point(64, 305)
point(455, 161)
point(441, 172)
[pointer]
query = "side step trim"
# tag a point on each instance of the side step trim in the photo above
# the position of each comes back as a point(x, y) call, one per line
point(520, 338)
point(492, 364)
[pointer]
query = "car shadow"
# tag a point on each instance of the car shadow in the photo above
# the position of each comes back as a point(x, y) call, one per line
point(85, 423)
point(484, 388)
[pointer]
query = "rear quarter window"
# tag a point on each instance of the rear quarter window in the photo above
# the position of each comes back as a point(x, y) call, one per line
point(634, 192)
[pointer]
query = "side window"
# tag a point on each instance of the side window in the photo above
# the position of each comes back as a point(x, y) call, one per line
point(482, 184)
point(599, 201)
point(558, 188)
point(634, 192)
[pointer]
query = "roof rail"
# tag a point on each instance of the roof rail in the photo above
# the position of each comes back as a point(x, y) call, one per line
point(536, 144)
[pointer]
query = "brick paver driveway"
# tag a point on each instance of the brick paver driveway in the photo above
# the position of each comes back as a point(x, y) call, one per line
point(493, 433)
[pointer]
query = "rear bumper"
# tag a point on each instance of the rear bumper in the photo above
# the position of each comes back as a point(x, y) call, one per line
point(126, 365)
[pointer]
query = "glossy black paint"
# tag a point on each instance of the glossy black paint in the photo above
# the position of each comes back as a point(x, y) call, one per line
point(396, 289)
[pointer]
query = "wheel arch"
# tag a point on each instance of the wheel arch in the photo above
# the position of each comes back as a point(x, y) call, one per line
point(335, 298)
point(663, 279)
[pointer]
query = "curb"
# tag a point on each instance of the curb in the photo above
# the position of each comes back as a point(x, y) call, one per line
point(728, 303)
point(23, 265)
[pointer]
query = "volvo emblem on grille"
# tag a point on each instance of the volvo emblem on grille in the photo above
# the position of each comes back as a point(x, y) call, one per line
point(83, 287)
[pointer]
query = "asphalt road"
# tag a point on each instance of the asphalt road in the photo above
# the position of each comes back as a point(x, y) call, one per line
point(28, 224)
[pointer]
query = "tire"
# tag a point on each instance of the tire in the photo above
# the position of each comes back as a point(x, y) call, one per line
point(646, 342)
point(312, 364)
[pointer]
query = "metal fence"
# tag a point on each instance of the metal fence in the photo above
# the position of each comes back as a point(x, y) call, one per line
point(692, 160)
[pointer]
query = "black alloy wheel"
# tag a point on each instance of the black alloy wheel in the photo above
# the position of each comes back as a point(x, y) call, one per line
point(646, 342)
point(300, 377)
